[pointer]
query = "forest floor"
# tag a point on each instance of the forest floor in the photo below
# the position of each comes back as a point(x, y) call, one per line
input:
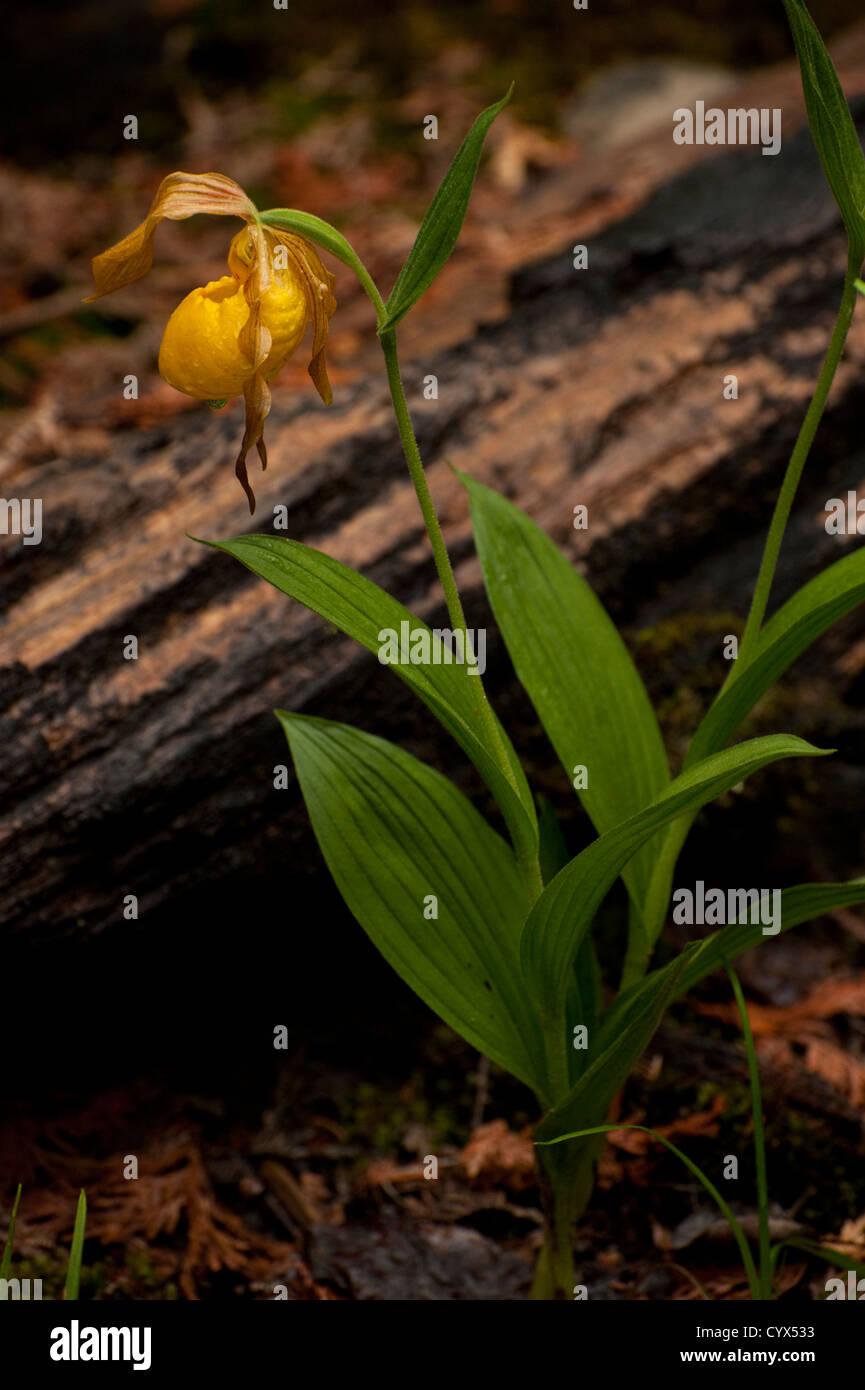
point(324, 1188)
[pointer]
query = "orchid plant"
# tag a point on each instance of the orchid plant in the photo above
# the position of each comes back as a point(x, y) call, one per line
point(495, 935)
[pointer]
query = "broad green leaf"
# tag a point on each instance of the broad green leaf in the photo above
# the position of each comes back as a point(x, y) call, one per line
point(393, 832)
point(362, 610)
point(630, 1024)
point(615, 1052)
point(440, 228)
point(76, 1250)
point(801, 903)
point(832, 127)
point(584, 1001)
point(696, 1170)
point(816, 606)
point(552, 850)
point(6, 1261)
point(575, 668)
point(585, 997)
point(561, 916)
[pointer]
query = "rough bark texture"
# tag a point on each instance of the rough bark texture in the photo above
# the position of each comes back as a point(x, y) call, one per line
point(602, 387)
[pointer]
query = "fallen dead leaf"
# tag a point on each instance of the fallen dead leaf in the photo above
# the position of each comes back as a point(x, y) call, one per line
point(830, 997)
point(851, 1239)
point(499, 1155)
point(822, 1057)
point(704, 1124)
point(723, 1284)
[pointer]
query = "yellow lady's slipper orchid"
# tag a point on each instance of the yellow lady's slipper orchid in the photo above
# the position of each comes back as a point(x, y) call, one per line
point(233, 335)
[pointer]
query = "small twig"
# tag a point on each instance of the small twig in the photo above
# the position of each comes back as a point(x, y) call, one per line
point(850, 922)
point(39, 311)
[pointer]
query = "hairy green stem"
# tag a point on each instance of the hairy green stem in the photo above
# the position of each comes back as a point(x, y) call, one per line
point(644, 929)
point(639, 949)
point(431, 521)
point(557, 1056)
point(794, 468)
point(565, 1179)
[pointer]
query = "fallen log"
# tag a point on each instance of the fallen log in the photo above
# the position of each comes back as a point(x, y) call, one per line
point(153, 778)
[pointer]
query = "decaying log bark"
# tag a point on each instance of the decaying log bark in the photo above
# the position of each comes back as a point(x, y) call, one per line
point(154, 776)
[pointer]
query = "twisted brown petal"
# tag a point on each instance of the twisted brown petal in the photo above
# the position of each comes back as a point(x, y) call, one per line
point(252, 258)
point(178, 196)
point(256, 394)
point(318, 286)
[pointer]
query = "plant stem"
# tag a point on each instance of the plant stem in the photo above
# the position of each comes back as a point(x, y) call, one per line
point(565, 1182)
point(640, 945)
point(639, 949)
point(528, 866)
point(797, 463)
point(526, 853)
point(418, 477)
point(304, 224)
point(759, 1138)
point(642, 934)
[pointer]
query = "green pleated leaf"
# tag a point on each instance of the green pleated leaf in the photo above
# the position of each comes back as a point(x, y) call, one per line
point(561, 916)
point(629, 1025)
point(394, 832)
point(791, 630)
point(575, 668)
point(552, 851)
point(440, 228)
point(362, 610)
point(832, 126)
point(585, 996)
point(615, 1053)
point(801, 903)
